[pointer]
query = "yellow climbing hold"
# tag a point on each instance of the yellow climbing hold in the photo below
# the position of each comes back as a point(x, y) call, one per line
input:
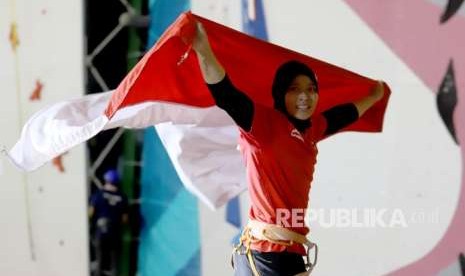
point(14, 38)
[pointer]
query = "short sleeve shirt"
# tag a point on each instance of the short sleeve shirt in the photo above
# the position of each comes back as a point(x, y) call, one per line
point(280, 162)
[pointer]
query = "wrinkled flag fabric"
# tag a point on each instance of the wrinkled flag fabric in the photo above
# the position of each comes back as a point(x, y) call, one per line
point(166, 90)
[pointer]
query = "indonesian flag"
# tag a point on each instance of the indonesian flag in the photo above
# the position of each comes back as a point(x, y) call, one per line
point(166, 90)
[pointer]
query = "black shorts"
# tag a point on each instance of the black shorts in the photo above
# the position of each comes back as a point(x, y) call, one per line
point(269, 263)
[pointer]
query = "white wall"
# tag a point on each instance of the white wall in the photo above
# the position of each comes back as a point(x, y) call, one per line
point(51, 49)
point(411, 168)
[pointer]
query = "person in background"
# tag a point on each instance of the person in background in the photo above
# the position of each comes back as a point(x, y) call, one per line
point(107, 212)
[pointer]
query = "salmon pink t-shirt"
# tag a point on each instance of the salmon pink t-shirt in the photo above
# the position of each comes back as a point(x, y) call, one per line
point(279, 162)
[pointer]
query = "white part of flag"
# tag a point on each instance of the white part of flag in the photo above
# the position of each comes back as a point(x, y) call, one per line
point(201, 142)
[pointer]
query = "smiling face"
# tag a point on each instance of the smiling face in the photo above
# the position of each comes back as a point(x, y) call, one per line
point(301, 98)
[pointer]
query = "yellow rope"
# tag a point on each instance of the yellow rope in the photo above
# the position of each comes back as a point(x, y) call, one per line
point(247, 238)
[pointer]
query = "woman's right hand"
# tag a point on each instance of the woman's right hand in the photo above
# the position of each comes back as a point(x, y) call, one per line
point(200, 43)
point(212, 70)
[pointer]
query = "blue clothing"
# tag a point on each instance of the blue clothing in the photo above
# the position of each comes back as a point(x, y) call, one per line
point(109, 207)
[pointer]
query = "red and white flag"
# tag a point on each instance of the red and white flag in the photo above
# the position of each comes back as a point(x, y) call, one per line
point(166, 90)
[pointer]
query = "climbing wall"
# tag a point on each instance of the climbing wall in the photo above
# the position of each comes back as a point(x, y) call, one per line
point(42, 214)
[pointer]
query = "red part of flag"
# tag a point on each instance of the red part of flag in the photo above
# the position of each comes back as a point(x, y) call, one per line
point(166, 74)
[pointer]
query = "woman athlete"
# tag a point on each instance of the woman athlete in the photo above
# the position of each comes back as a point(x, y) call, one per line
point(279, 149)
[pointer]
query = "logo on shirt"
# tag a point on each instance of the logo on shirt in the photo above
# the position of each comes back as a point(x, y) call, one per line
point(112, 199)
point(296, 134)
